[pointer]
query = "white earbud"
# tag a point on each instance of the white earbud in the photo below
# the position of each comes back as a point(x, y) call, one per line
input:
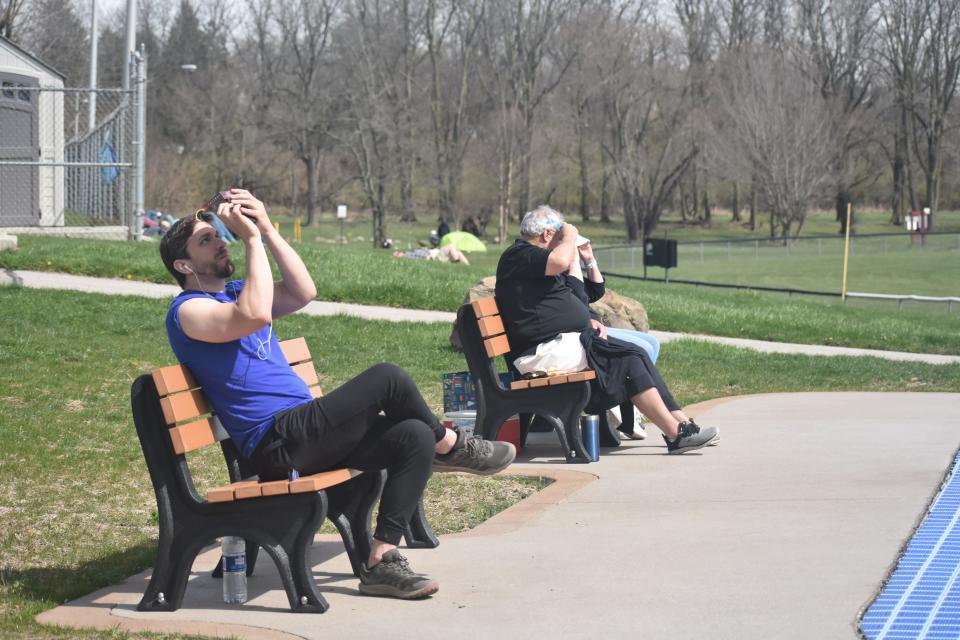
point(187, 268)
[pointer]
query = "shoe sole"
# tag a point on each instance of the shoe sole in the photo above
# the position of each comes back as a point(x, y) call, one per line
point(478, 472)
point(632, 436)
point(695, 446)
point(386, 591)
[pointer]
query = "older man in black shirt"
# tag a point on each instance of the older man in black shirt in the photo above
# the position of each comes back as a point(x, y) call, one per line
point(537, 303)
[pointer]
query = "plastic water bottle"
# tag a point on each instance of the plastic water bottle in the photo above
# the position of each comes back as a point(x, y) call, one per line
point(234, 552)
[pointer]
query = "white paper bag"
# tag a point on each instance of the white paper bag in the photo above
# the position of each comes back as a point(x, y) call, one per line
point(563, 354)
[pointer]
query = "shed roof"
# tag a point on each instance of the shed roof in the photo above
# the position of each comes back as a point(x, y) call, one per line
point(32, 58)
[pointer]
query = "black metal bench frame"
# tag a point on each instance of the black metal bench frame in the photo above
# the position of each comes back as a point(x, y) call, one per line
point(284, 525)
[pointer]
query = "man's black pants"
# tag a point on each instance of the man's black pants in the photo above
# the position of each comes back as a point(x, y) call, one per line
point(345, 428)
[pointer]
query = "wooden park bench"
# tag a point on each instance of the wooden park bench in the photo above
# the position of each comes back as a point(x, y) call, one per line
point(558, 399)
point(173, 418)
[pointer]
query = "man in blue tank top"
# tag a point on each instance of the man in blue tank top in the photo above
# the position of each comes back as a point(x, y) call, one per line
point(223, 332)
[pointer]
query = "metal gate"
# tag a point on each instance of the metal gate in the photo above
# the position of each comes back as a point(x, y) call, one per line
point(91, 175)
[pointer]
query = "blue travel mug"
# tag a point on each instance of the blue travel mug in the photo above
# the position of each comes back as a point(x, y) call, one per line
point(590, 433)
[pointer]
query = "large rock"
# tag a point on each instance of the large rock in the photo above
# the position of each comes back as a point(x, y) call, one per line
point(621, 312)
point(615, 310)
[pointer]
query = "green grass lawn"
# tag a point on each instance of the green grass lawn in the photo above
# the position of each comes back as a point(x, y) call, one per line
point(357, 273)
point(78, 509)
point(876, 265)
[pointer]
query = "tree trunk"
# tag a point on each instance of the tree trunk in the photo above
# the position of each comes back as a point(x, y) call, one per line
point(311, 167)
point(407, 213)
point(736, 203)
point(604, 189)
point(584, 186)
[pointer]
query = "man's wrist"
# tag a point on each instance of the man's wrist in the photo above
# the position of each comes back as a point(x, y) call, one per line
point(590, 265)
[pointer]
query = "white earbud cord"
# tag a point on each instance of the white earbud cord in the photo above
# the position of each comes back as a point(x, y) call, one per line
point(264, 348)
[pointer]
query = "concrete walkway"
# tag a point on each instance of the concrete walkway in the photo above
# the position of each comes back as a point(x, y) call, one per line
point(785, 530)
point(46, 280)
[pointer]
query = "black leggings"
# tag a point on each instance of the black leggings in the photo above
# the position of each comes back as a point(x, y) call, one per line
point(345, 429)
point(642, 374)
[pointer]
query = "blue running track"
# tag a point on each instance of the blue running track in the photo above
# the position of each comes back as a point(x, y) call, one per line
point(922, 598)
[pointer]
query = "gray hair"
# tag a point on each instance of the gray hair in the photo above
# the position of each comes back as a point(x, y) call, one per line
point(534, 222)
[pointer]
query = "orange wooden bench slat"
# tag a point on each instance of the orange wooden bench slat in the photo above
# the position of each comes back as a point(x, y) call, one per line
point(192, 436)
point(228, 492)
point(249, 491)
point(553, 380)
point(322, 480)
point(496, 346)
point(173, 379)
point(491, 326)
point(183, 406)
point(295, 350)
point(307, 373)
point(275, 488)
point(485, 307)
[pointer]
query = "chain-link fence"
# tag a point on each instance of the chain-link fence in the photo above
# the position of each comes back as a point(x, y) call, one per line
point(99, 178)
point(69, 156)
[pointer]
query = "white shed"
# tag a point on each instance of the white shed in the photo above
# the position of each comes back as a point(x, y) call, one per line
point(31, 131)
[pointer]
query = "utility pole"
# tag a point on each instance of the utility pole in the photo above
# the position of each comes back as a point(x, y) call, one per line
point(92, 103)
point(130, 49)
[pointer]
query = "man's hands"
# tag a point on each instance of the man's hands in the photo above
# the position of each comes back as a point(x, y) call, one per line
point(245, 215)
point(598, 326)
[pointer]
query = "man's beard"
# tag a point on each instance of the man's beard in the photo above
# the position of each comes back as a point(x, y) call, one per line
point(226, 270)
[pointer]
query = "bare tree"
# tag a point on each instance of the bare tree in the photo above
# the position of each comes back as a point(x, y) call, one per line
point(738, 25)
point(646, 109)
point(452, 32)
point(305, 109)
point(778, 133)
point(698, 26)
point(902, 29)
point(526, 66)
point(9, 10)
point(940, 69)
point(834, 50)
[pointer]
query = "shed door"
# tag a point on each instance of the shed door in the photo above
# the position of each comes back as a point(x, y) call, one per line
point(19, 140)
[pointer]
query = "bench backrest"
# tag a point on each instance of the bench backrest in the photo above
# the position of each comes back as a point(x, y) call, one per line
point(173, 418)
point(187, 412)
point(492, 333)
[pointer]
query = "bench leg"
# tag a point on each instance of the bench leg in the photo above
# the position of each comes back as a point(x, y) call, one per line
point(418, 533)
point(351, 506)
point(575, 438)
point(168, 582)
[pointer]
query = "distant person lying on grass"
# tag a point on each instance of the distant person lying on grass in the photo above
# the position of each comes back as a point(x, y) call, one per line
point(448, 253)
point(542, 314)
point(223, 332)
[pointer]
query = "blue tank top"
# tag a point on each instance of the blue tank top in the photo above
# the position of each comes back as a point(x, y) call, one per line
point(246, 383)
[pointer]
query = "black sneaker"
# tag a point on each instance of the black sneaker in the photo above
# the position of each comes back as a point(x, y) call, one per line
point(476, 455)
point(690, 436)
point(393, 578)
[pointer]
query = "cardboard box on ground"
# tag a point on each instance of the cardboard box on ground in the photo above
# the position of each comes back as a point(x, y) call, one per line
point(460, 406)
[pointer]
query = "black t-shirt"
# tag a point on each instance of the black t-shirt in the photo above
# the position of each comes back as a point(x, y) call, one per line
point(535, 307)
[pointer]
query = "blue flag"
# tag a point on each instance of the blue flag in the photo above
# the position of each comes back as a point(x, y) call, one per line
point(107, 155)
